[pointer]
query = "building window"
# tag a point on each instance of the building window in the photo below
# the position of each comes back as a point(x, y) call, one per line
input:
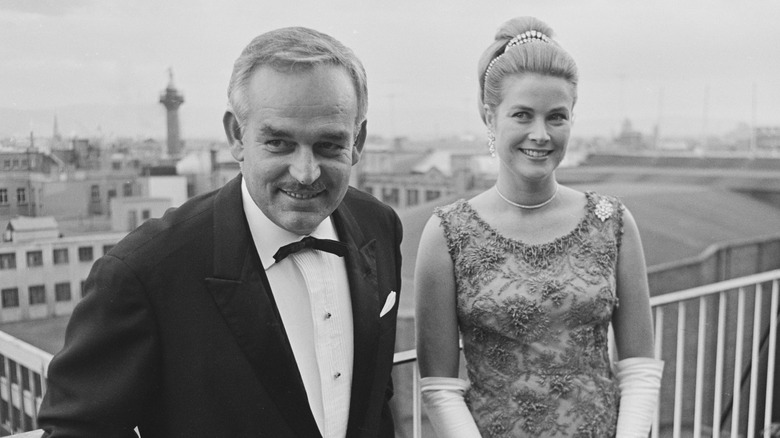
point(37, 294)
point(7, 164)
point(62, 292)
point(4, 412)
point(37, 385)
point(60, 256)
point(111, 193)
point(34, 258)
point(430, 195)
point(107, 248)
point(85, 254)
point(3, 196)
point(145, 214)
point(16, 417)
point(25, 378)
point(127, 189)
point(21, 196)
point(10, 297)
point(132, 219)
point(95, 193)
point(8, 260)
point(412, 197)
point(14, 374)
point(390, 196)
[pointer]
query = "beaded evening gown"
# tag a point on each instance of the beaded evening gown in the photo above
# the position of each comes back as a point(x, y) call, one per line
point(534, 322)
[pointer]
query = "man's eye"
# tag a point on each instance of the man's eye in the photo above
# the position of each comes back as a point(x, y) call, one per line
point(330, 148)
point(276, 144)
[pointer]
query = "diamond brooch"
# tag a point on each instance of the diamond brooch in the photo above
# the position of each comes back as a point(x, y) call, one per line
point(604, 209)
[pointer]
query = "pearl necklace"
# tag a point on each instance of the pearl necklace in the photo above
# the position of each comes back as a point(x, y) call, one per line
point(527, 207)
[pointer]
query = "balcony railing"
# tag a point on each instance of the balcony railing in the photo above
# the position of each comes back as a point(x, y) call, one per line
point(719, 343)
point(22, 383)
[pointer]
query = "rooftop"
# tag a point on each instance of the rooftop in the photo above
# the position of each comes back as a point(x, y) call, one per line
point(26, 223)
point(46, 334)
point(675, 221)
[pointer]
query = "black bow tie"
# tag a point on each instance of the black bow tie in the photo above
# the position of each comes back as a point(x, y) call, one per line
point(327, 245)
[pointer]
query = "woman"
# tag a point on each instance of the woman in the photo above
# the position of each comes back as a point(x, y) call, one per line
point(532, 273)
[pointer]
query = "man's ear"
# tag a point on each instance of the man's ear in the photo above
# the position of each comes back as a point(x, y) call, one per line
point(234, 135)
point(360, 141)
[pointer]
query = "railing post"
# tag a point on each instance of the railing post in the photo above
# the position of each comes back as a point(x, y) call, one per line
point(755, 361)
point(658, 354)
point(679, 370)
point(416, 405)
point(770, 365)
point(719, 352)
point(702, 338)
point(737, 386)
point(16, 420)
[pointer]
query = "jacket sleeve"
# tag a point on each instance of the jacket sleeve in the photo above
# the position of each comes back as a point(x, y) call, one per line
point(104, 378)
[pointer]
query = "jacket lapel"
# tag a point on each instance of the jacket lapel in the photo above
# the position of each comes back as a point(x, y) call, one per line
point(241, 291)
point(362, 275)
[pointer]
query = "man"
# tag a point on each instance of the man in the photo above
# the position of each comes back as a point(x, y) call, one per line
point(194, 325)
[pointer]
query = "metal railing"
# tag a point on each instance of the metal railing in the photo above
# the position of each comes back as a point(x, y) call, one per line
point(712, 386)
point(730, 362)
point(22, 383)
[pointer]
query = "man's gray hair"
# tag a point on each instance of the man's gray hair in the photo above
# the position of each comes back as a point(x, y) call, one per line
point(294, 48)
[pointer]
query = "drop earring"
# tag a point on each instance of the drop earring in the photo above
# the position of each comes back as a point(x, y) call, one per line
point(491, 144)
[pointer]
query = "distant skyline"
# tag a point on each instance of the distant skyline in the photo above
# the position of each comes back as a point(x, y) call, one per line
point(98, 66)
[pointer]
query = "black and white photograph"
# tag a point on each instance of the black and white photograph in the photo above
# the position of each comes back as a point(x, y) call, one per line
point(373, 219)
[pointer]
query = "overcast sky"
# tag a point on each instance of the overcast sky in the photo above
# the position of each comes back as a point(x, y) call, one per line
point(99, 65)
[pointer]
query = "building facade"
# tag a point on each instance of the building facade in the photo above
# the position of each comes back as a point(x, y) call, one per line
point(23, 175)
point(407, 179)
point(45, 277)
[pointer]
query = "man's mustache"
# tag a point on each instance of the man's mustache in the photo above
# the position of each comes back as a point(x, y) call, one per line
point(315, 187)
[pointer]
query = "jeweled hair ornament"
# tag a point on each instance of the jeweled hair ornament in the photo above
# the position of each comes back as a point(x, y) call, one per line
point(525, 37)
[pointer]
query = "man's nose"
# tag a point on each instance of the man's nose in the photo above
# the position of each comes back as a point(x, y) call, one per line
point(305, 166)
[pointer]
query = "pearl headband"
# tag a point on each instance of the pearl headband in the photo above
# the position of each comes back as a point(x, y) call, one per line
point(525, 37)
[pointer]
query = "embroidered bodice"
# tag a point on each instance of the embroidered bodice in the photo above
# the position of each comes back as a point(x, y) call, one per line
point(534, 321)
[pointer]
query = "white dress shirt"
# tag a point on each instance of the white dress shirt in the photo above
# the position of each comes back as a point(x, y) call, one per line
point(321, 339)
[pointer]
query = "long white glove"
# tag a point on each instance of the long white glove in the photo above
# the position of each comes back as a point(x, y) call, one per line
point(446, 408)
point(640, 382)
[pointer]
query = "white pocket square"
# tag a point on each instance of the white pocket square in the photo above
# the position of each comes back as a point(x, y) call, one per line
point(389, 303)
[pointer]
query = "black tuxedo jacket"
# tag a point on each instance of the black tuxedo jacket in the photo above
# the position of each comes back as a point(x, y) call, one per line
point(179, 335)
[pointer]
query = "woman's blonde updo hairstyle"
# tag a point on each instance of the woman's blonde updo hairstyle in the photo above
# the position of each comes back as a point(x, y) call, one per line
point(537, 56)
